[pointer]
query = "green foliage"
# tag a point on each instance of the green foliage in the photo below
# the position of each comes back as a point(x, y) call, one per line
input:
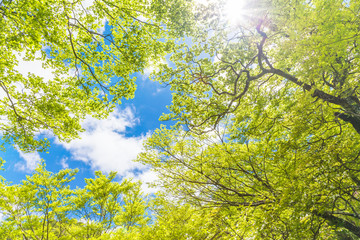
point(267, 119)
point(174, 220)
point(92, 68)
point(267, 139)
point(44, 207)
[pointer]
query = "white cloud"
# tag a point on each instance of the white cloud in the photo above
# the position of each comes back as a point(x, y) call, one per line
point(104, 145)
point(63, 163)
point(147, 177)
point(31, 161)
point(35, 67)
point(26, 67)
point(142, 18)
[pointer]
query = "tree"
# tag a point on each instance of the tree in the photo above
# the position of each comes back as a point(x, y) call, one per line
point(93, 49)
point(267, 118)
point(45, 207)
point(174, 220)
point(104, 205)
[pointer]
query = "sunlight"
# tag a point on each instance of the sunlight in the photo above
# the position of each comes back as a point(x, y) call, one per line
point(235, 11)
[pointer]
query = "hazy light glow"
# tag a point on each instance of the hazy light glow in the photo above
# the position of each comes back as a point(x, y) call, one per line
point(235, 11)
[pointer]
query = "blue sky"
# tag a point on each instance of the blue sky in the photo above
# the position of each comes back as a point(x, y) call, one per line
point(107, 145)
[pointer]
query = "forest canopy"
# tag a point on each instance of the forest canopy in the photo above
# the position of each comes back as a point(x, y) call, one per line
point(266, 140)
point(92, 49)
point(267, 115)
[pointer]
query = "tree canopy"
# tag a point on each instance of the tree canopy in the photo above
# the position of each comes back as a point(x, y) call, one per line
point(44, 207)
point(268, 119)
point(266, 143)
point(93, 48)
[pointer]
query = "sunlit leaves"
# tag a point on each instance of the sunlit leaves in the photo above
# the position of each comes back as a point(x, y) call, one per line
point(92, 49)
point(44, 206)
point(267, 115)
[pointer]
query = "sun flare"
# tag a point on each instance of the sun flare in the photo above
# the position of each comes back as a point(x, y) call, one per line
point(238, 11)
point(235, 11)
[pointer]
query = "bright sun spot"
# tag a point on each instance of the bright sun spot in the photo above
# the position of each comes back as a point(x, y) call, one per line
point(235, 11)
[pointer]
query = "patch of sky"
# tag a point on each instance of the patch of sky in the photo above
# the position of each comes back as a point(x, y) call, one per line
point(107, 145)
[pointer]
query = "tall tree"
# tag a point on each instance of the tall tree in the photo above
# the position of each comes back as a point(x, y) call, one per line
point(268, 118)
point(45, 207)
point(174, 220)
point(93, 48)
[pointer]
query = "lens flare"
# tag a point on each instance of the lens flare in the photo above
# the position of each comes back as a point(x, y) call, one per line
point(235, 11)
